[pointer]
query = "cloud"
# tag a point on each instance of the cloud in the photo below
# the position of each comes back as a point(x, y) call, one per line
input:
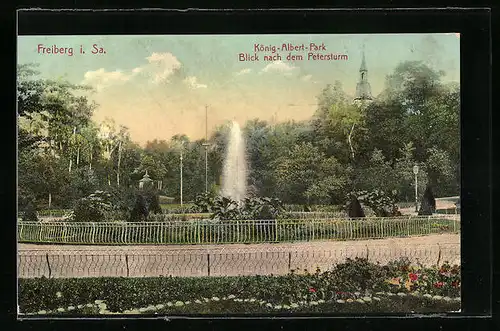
point(306, 78)
point(243, 71)
point(101, 78)
point(279, 66)
point(161, 66)
point(192, 82)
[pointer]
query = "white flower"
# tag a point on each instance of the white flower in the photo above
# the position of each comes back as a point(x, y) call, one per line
point(401, 294)
point(142, 309)
point(376, 298)
point(313, 303)
point(206, 299)
point(42, 312)
point(231, 296)
point(349, 300)
point(89, 305)
point(224, 298)
point(170, 304)
point(340, 301)
point(437, 297)
point(277, 307)
point(269, 305)
point(71, 308)
point(80, 306)
point(286, 306)
point(380, 293)
point(151, 307)
point(390, 294)
point(187, 302)
point(179, 303)
point(360, 301)
point(61, 310)
point(367, 299)
point(160, 306)
point(447, 299)
point(197, 301)
point(262, 302)
point(102, 306)
point(135, 311)
point(427, 295)
point(215, 299)
point(294, 305)
point(97, 302)
point(357, 293)
point(321, 301)
point(252, 300)
point(58, 294)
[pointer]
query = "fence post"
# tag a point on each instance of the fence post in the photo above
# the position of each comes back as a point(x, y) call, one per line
point(289, 261)
point(367, 252)
point(439, 255)
point(21, 232)
point(93, 232)
point(237, 231)
point(276, 230)
point(208, 264)
point(40, 232)
point(126, 262)
point(64, 232)
point(48, 264)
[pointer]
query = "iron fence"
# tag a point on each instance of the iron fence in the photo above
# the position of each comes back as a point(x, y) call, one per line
point(194, 262)
point(242, 231)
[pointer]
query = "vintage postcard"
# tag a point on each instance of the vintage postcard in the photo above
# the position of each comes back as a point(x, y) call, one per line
point(238, 174)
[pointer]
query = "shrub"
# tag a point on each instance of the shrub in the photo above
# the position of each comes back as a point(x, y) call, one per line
point(354, 208)
point(428, 204)
point(140, 211)
point(30, 213)
point(93, 208)
point(342, 282)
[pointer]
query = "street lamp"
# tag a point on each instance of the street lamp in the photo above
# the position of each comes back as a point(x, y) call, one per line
point(415, 171)
point(206, 144)
point(182, 147)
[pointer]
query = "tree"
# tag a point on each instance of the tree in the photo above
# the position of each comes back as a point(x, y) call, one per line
point(354, 208)
point(140, 211)
point(428, 204)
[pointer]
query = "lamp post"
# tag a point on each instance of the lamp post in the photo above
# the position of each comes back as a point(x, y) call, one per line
point(206, 144)
point(415, 171)
point(182, 147)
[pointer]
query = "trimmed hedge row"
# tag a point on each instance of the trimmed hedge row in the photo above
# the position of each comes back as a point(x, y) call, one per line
point(349, 280)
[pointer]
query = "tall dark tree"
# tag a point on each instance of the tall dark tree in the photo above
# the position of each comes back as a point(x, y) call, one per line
point(140, 212)
point(354, 208)
point(428, 204)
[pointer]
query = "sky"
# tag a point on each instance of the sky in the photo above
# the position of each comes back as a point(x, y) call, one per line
point(160, 85)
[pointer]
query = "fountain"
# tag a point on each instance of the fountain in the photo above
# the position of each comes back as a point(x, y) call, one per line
point(234, 176)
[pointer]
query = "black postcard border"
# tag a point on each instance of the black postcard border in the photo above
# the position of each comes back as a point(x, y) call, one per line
point(476, 129)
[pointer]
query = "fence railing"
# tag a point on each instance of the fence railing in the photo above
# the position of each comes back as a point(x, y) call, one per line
point(241, 231)
point(219, 262)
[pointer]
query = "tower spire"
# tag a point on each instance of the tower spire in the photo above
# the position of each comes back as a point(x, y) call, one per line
point(363, 88)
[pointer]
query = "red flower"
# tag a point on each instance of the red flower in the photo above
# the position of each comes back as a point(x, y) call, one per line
point(438, 284)
point(413, 277)
point(312, 290)
point(455, 283)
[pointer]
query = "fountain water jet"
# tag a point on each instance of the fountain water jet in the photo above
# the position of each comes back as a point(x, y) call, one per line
point(234, 176)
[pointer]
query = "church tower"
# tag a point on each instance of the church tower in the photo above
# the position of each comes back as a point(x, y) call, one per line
point(363, 88)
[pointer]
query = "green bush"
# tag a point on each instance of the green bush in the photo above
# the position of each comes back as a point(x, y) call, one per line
point(93, 208)
point(342, 282)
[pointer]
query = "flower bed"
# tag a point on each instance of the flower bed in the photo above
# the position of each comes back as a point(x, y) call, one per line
point(396, 287)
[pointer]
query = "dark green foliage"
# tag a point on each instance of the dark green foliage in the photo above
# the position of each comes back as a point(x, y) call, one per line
point(428, 204)
point(29, 214)
point(251, 208)
point(341, 282)
point(354, 208)
point(140, 211)
point(204, 202)
point(93, 208)
point(382, 204)
point(152, 201)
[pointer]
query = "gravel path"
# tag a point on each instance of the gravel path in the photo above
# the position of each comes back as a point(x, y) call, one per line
point(232, 259)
